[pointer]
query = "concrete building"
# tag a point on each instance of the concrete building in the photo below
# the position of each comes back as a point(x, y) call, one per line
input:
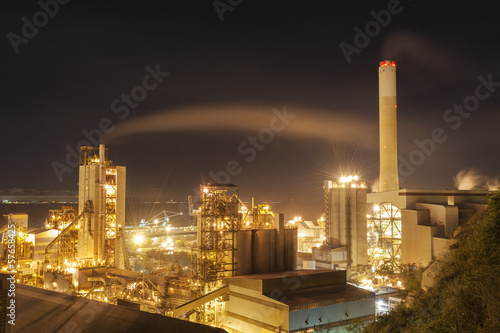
point(345, 225)
point(298, 301)
point(102, 195)
point(427, 221)
point(43, 238)
point(310, 233)
point(408, 226)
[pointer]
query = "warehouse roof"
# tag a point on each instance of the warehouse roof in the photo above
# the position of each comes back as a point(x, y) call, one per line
point(40, 310)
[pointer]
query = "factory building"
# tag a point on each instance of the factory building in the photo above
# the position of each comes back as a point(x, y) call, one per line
point(298, 301)
point(310, 233)
point(409, 226)
point(345, 243)
point(90, 236)
point(101, 194)
point(244, 273)
point(39, 310)
point(235, 240)
point(17, 243)
point(428, 219)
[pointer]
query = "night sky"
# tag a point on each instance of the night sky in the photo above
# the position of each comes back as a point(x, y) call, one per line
point(269, 68)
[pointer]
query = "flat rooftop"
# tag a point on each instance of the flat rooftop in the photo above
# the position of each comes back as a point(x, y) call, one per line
point(303, 289)
point(317, 297)
point(40, 310)
point(279, 275)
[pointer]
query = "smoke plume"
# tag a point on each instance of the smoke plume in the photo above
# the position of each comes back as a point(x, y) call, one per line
point(305, 124)
point(472, 179)
point(402, 44)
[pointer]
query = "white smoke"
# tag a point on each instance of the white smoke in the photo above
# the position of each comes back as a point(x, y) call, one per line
point(375, 185)
point(306, 123)
point(493, 184)
point(472, 179)
point(399, 44)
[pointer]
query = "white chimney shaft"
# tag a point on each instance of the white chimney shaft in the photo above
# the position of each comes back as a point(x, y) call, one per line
point(388, 180)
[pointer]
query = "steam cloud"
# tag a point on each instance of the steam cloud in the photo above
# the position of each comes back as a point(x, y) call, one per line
point(306, 124)
point(472, 180)
point(375, 185)
point(402, 44)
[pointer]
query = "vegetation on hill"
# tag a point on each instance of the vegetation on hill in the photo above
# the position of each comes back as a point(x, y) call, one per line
point(466, 295)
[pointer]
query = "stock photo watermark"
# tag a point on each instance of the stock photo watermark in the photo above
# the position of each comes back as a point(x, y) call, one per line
point(11, 265)
point(259, 314)
point(372, 29)
point(250, 147)
point(288, 278)
point(222, 7)
point(121, 107)
point(30, 28)
point(453, 117)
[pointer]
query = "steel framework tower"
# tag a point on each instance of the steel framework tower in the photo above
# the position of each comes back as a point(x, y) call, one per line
point(89, 239)
point(213, 260)
point(384, 235)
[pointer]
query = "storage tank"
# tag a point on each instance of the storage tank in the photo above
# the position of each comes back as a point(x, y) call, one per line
point(243, 253)
point(290, 249)
point(264, 251)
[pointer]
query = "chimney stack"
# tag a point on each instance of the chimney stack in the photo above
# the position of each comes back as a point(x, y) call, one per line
point(388, 180)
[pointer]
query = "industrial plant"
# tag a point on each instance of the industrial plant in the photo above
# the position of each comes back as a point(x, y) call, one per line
point(250, 269)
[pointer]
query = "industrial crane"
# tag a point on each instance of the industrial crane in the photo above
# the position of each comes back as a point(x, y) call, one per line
point(161, 219)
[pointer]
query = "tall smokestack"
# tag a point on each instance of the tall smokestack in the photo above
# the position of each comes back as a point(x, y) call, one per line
point(388, 180)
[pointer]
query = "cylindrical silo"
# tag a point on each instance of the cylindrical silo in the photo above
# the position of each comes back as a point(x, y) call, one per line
point(290, 249)
point(264, 254)
point(243, 252)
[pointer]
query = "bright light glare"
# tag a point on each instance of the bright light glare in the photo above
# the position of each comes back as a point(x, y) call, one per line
point(348, 179)
point(138, 239)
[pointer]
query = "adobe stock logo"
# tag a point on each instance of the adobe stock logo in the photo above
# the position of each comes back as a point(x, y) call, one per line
point(221, 7)
point(453, 117)
point(29, 30)
point(120, 106)
point(250, 147)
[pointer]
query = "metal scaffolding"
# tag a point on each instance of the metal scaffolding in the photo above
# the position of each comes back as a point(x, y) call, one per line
point(384, 235)
point(61, 218)
point(213, 259)
point(63, 248)
point(16, 242)
point(110, 221)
